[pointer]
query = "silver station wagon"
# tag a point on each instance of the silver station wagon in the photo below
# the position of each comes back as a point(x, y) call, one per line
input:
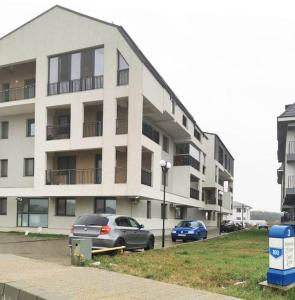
point(107, 230)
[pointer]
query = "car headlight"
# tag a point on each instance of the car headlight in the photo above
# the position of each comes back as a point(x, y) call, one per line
point(191, 232)
point(173, 231)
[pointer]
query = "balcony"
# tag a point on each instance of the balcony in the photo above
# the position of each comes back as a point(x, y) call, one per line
point(121, 126)
point(150, 132)
point(194, 193)
point(73, 176)
point(76, 85)
point(146, 177)
point(18, 93)
point(186, 160)
point(92, 129)
point(58, 132)
point(291, 151)
point(211, 201)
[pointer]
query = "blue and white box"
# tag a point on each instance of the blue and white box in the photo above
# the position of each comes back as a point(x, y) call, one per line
point(281, 256)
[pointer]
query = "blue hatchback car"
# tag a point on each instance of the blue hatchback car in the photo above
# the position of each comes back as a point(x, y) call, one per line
point(189, 230)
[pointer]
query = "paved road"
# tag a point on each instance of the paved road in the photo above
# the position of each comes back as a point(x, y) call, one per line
point(53, 281)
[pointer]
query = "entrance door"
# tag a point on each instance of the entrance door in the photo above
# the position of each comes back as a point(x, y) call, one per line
point(32, 212)
point(67, 168)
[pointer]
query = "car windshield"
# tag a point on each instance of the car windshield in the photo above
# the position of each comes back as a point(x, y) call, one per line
point(192, 224)
point(94, 220)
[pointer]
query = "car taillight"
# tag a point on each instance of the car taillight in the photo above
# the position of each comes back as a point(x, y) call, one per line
point(105, 229)
point(72, 229)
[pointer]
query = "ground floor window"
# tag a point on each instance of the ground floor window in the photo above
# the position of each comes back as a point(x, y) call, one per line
point(179, 212)
point(32, 212)
point(105, 205)
point(163, 211)
point(3, 206)
point(65, 207)
point(148, 209)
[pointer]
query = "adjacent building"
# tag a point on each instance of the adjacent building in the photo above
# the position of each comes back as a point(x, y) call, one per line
point(84, 121)
point(240, 213)
point(286, 158)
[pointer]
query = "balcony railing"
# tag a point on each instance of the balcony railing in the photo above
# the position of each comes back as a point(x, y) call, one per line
point(121, 126)
point(73, 176)
point(76, 85)
point(120, 175)
point(18, 93)
point(150, 132)
point(56, 132)
point(146, 177)
point(194, 194)
point(211, 201)
point(123, 77)
point(92, 129)
point(186, 160)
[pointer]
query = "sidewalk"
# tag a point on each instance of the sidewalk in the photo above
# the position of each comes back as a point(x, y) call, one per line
point(55, 282)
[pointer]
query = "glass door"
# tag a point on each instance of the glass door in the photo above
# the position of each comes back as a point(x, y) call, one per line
point(32, 212)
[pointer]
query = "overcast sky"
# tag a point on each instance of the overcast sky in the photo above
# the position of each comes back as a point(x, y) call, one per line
point(232, 64)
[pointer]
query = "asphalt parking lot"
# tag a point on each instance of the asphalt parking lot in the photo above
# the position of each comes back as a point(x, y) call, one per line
point(54, 250)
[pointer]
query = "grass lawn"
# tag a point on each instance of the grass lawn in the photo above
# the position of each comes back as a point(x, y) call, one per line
point(218, 265)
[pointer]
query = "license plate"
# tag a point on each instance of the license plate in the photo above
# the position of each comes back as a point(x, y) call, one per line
point(180, 234)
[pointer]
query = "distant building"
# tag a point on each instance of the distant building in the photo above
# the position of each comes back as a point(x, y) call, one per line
point(241, 212)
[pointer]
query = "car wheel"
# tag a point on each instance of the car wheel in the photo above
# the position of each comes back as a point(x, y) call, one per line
point(205, 237)
point(119, 242)
point(150, 244)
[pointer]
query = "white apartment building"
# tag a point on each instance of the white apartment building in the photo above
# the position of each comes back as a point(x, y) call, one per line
point(286, 157)
point(84, 121)
point(240, 212)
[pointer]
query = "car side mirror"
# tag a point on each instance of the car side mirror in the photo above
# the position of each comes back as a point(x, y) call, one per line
point(141, 226)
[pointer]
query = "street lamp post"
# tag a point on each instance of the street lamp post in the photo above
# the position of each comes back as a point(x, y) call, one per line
point(165, 165)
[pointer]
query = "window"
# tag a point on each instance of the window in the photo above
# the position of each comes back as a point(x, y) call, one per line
point(150, 132)
point(197, 134)
point(244, 209)
point(98, 62)
point(184, 121)
point(65, 207)
point(30, 127)
point(163, 211)
point(173, 106)
point(29, 167)
point(104, 206)
point(225, 161)
point(3, 167)
point(220, 155)
point(238, 218)
point(179, 212)
point(182, 148)
point(239, 210)
point(123, 70)
point(165, 145)
point(76, 66)
point(4, 130)
point(133, 223)
point(148, 209)
point(3, 206)
point(123, 222)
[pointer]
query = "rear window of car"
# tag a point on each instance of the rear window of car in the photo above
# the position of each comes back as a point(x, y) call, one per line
point(92, 220)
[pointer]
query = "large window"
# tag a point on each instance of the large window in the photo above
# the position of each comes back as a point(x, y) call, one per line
point(184, 121)
point(123, 70)
point(65, 207)
point(182, 148)
point(3, 167)
point(3, 206)
point(32, 212)
point(77, 71)
point(4, 130)
point(29, 167)
point(105, 206)
point(179, 212)
point(30, 127)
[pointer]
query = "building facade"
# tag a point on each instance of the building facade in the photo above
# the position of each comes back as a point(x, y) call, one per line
point(286, 158)
point(84, 121)
point(240, 212)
